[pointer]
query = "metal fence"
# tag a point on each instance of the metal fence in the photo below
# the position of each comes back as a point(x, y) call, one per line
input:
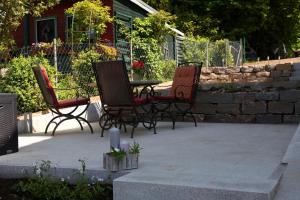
point(221, 53)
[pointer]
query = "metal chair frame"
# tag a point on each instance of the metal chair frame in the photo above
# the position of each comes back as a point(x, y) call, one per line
point(122, 114)
point(54, 109)
point(173, 108)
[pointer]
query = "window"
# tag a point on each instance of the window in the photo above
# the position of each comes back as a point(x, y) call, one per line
point(45, 29)
point(68, 26)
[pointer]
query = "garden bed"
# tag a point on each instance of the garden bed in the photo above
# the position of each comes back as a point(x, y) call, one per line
point(9, 191)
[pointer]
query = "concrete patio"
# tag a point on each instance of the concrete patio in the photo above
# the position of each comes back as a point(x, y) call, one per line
point(211, 161)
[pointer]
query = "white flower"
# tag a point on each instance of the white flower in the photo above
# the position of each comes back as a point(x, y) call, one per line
point(38, 171)
point(62, 179)
point(100, 179)
point(89, 185)
point(116, 149)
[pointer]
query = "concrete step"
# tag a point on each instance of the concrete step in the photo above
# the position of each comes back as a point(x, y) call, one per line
point(289, 186)
point(155, 187)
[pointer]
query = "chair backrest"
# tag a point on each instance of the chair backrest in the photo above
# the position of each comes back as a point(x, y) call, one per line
point(45, 86)
point(113, 83)
point(186, 80)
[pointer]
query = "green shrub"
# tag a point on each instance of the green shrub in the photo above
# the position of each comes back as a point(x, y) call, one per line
point(66, 81)
point(19, 79)
point(44, 186)
point(82, 69)
point(168, 67)
point(195, 49)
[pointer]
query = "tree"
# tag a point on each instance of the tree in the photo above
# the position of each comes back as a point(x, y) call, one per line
point(13, 11)
point(266, 24)
point(90, 19)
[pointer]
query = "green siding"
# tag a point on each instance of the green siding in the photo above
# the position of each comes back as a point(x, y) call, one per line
point(126, 7)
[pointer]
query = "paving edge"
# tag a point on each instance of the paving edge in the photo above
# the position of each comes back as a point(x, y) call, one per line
point(292, 152)
point(17, 172)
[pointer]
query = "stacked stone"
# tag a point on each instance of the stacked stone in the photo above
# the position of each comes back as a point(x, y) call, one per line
point(268, 105)
point(267, 73)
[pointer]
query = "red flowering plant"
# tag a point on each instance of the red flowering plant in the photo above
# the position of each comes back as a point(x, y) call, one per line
point(138, 67)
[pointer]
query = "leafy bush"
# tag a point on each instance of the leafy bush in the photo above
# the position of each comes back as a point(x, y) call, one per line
point(168, 67)
point(106, 52)
point(148, 36)
point(82, 68)
point(44, 186)
point(66, 81)
point(19, 79)
point(195, 49)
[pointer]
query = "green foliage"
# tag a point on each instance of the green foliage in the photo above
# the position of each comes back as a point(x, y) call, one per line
point(221, 54)
point(44, 186)
point(266, 24)
point(195, 49)
point(82, 69)
point(118, 153)
point(90, 17)
point(12, 13)
point(19, 79)
point(67, 82)
point(135, 148)
point(168, 67)
point(148, 36)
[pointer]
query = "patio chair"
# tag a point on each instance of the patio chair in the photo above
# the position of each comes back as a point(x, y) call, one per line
point(56, 105)
point(119, 106)
point(180, 100)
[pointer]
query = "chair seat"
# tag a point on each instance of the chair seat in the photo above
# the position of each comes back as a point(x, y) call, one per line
point(170, 98)
point(163, 98)
point(73, 102)
point(140, 101)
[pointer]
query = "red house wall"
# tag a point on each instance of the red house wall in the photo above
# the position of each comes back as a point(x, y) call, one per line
point(58, 12)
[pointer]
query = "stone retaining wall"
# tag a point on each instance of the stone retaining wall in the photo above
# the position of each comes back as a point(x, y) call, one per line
point(267, 73)
point(256, 103)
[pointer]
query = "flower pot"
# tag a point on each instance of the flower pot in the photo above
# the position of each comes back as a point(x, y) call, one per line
point(137, 76)
point(132, 161)
point(112, 163)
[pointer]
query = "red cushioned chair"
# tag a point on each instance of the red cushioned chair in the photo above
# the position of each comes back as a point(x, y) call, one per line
point(119, 106)
point(180, 100)
point(55, 105)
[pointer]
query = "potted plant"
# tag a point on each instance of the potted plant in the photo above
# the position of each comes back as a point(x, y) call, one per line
point(115, 160)
point(132, 158)
point(138, 70)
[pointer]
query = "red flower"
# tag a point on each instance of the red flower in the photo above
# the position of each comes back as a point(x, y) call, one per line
point(138, 65)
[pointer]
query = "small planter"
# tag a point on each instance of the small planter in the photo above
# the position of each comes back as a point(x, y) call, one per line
point(113, 164)
point(132, 161)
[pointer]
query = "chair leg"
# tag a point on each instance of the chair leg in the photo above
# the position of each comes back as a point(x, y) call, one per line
point(193, 117)
point(81, 127)
point(51, 121)
point(58, 125)
point(88, 123)
point(103, 128)
point(132, 131)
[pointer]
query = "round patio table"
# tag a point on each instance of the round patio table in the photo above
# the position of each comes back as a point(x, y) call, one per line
point(145, 84)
